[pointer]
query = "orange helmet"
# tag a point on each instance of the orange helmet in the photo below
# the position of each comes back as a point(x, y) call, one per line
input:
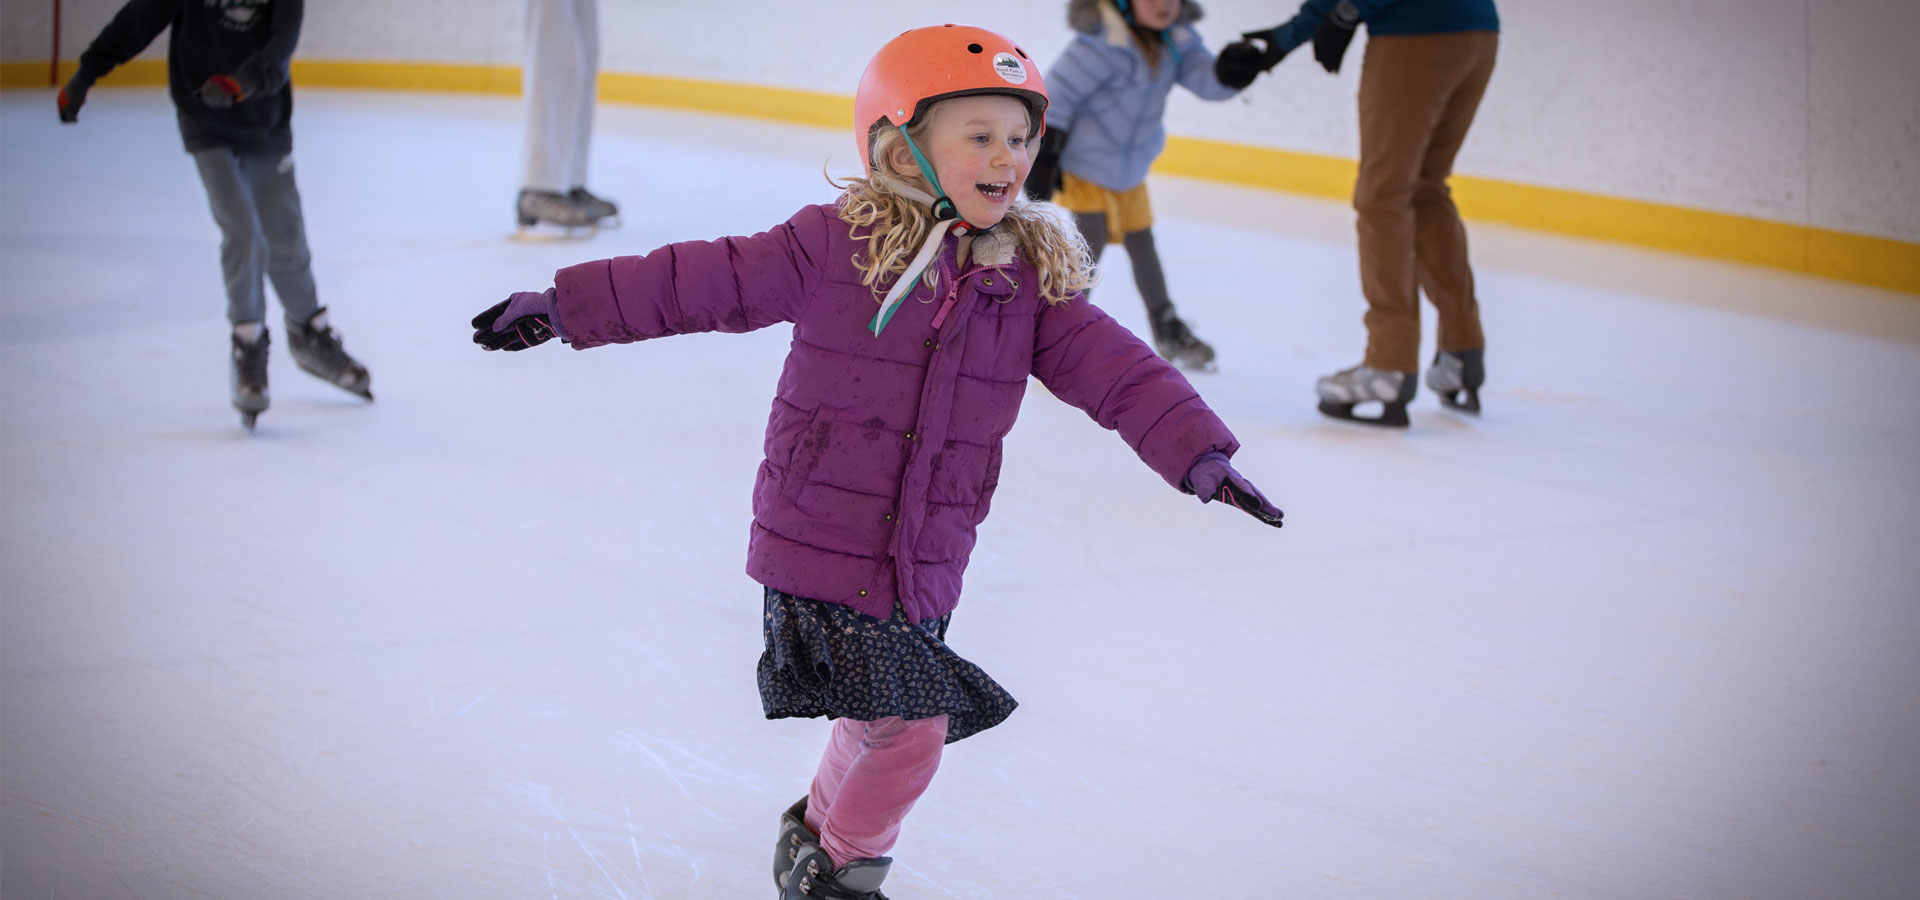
point(925, 65)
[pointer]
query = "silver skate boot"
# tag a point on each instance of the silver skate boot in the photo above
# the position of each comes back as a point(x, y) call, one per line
point(600, 208)
point(316, 347)
point(798, 842)
point(550, 208)
point(1456, 373)
point(1175, 343)
point(794, 837)
point(249, 375)
point(814, 878)
point(1347, 388)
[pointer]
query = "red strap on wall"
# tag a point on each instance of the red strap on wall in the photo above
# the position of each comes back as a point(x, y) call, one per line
point(53, 68)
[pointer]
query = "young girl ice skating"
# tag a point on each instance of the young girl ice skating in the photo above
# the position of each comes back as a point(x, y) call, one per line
point(1109, 92)
point(921, 300)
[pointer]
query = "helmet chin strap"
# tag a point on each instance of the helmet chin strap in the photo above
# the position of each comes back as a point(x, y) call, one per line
point(943, 208)
point(946, 218)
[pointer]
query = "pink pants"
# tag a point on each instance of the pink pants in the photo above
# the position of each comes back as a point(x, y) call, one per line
point(869, 778)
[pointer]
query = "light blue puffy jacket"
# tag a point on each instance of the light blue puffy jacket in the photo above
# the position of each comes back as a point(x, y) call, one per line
point(1112, 102)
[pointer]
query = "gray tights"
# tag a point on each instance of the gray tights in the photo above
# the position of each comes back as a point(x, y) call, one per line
point(1147, 274)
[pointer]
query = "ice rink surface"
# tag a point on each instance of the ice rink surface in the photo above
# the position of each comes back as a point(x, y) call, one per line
point(1648, 630)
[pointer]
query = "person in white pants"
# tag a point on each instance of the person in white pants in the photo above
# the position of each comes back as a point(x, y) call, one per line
point(563, 61)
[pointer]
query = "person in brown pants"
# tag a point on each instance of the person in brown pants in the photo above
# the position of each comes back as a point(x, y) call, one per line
point(1427, 65)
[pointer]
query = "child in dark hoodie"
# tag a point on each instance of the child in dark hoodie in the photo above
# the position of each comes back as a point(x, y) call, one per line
point(227, 72)
point(1104, 129)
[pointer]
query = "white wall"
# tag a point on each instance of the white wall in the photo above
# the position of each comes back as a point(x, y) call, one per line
point(1790, 110)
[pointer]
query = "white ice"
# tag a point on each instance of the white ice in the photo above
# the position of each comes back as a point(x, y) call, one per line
point(1650, 629)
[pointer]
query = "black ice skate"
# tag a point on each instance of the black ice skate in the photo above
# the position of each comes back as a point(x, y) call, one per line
point(1348, 388)
point(316, 347)
point(1456, 376)
point(1175, 342)
point(605, 213)
point(563, 211)
point(249, 377)
point(814, 878)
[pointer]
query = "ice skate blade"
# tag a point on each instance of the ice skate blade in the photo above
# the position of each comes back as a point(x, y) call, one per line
point(538, 234)
point(364, 391)
point(1392, 415)
point(1470, 406)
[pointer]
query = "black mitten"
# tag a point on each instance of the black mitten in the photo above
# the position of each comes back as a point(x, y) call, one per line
point(1240, 62)
point(1044, 178)
point(1335, 33)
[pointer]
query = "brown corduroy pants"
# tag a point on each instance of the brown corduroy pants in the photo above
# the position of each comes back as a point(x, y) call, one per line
point(1418, 94)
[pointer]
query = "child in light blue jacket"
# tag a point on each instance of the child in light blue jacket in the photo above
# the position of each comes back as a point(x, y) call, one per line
point(1104, 128)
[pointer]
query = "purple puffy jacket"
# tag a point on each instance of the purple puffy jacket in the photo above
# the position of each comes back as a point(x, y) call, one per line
point(882, 453)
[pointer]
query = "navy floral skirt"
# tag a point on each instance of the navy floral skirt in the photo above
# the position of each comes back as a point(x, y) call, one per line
point(824, 659)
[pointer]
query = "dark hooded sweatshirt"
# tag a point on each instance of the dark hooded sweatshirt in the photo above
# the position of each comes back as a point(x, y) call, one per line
point(250, 41)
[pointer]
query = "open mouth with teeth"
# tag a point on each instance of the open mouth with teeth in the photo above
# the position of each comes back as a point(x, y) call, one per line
point(996, 191)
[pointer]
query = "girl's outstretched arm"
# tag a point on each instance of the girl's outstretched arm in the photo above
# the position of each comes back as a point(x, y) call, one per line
point(1093, 362)
point(733, 285)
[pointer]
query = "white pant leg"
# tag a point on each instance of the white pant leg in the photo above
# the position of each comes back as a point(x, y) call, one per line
point(587, 27)
point(563, 58)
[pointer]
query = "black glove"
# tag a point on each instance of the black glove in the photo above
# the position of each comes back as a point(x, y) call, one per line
point(1212, 478)
point(1240, 62)
point(74, 96)
point(1044, 178)
point(516, 323)
point(1335, 33)
point(1247, 499)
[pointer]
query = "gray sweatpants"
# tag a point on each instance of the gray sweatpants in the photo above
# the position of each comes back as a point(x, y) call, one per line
point(257, 206)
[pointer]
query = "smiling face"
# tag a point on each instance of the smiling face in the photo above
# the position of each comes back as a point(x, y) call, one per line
point(1155, 15)
point(978, 148)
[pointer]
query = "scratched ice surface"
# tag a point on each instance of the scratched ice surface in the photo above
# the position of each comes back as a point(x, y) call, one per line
point(1647, 630)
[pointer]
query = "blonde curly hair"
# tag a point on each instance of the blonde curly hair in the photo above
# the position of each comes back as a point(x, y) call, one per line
point(896, 225)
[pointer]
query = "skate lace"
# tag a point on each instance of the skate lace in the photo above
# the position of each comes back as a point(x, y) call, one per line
point(1362, 384)
point(556, 209)
point(600, 205)
point(325, 347)
point(817, 882)
point(253, 359)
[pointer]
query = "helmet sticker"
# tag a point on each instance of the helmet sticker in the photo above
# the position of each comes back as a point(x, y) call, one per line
point(1010, 68)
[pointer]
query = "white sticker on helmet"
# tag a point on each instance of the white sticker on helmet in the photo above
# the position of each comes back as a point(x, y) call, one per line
point(1010, 68)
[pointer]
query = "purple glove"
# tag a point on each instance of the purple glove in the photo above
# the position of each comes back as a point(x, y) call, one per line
point(1213, 478)
point(526, 319)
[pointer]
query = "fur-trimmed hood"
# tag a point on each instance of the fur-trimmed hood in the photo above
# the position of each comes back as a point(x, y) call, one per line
point(1095, 16)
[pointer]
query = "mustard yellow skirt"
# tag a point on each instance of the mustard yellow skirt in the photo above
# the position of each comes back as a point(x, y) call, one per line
point(1126, 211)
